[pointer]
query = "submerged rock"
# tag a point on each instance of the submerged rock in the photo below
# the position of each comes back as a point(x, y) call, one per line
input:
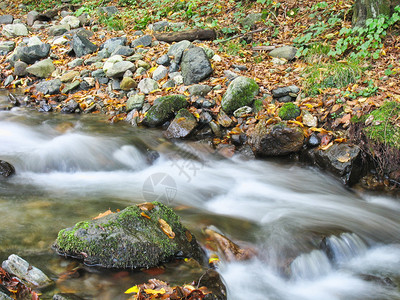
point(241, 92)
point(144, 235)
point(163, 109)
point(31, 276)
point(276, 140)
point(6, 169)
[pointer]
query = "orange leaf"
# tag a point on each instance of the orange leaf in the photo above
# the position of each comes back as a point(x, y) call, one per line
point(166, 228)
point(147, 206)
point(144, 215)
point(106, 213)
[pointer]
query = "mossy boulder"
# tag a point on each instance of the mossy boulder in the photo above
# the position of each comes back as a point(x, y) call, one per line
point(241, 92)
point(289, 111)
point(144, 235)
point(182, 125)
point(275, 140)
point(164, 109)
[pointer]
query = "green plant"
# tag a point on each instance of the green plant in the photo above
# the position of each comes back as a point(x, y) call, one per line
point(114, 22)
point(331, 74)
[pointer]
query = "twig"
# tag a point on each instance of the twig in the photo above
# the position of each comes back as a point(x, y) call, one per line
point(243, 34)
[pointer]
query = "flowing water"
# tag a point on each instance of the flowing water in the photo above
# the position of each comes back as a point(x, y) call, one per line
point(314, 238)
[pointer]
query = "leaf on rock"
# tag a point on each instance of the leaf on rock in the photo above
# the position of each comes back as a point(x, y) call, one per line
point(106, 213)
point(146, 206)
point(132, 290)
point(166, 228)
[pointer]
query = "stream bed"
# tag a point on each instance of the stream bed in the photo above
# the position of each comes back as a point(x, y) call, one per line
point(70, 168)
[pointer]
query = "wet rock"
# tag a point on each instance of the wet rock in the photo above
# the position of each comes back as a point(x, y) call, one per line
point(241, 92)
point(14, 30)
point(6, 19)
point(164, 109)
point(342, 160)
point(128, 83)
point(72, 21)
point(195, 66)
point(135, 102)
point(182, 125)
point(164, 60)
point(20, 68)
point(75, 63)
point(66, 296)
point(199, 89)
point(111, 44)
point(286, 52)
point(69, 87)
point(31, 54)
point(144, 41)
point(82, 46)
point(176, 50)
point(108, 10)
point(313, 141)
point(275, 140)
point(223, 119)
point(49, 87)
point(6, 169)
point(289, 111)
point(4, 296)
point(242, 111)
point(6, 47)
point(123, 50)
point(118, 69)
point(42, 68)
point(70, 107)
point(32, 276)
point(138, 236)
point(147, 85)
point(160, 73)
point(57, 30)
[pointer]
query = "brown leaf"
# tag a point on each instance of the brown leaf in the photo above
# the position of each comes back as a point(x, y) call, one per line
point(146, 206)
point(166, 228)
point(106, 213)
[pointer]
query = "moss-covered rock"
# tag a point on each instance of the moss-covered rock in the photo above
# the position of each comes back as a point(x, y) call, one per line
point(182, 125)
point(138, 236)
point(164, 109)
point(289, 111)
point(241, 92)
point(275, 140)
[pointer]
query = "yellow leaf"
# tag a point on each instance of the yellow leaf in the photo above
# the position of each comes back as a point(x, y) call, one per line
point(155, 292)
point(147, 206)
point(296, 122)
point(133, 289)
point(326, 147)
point(344, 158)
point(152, 69)
point(106, 213)
point(166, 228)
point(58, 62)
point(213, 260)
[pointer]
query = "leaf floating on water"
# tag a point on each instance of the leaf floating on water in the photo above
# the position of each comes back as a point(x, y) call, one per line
point(106, 213)
point(146, 206)
point(144, 215)
point(166, 228)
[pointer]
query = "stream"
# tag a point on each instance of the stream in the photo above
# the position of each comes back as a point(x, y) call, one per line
point(70, 168)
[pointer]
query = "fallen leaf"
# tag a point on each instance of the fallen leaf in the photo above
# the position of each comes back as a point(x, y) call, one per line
point(155, 292)
point(166, 228)
point(144, 215)
point(326, 147)
point(132, 290)
point(344, 158)
point(146, 206)
point(106, 213)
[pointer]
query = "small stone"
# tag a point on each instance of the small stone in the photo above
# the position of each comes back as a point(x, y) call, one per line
point(128, 83)
point(309, 120)
point(70, 87)
point(135, 57)
point(241, 92)
point(6, 169)
point(119, 68)
point(216, 58)
point(289, 111)
point(82, 45)
point(143, 64)
point(20, 68)
point(69, 76)
point(144, 41)
point(6, 19)
point(242, 111)
point(92, 60)
point(140, 71)
point(33, 53)
point(285, 99)
point(176, 50)
point(9, 79)
point(7, 46)
point(111, 44)
point(286, 52)
point(251, 19)
point(14, 30)
point(313, 141)
point(135, 102)
point(31, 17)
point(169, 84)
point(174, 67)
point(147, 85)
point(199, 90)
point(159, 26)
point(278, 61)
point(90, 81)
point(43, 68)
point(160, 73)
point(239, 67)
point(75, 63)
point(223, 119)
point(178, 79)
point(123, 50)
point(285, 91)
point(60, 41)
point(49, 87)
point(164, 60)
point(57, 30)
point(163, 109)
point(70, 107)
point(230, 75)
point(109, 10)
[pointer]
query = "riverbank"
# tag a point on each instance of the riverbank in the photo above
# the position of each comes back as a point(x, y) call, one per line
point(236, 94)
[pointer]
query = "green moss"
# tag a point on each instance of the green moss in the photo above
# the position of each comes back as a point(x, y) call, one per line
point(258, 105)
point(240, 92)
point(289, 111)
point(384, 127)
point(163, 109)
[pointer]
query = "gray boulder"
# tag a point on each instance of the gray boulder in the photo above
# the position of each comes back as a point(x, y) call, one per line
point(119, 68)
point(251, 19)
point(195, 66)
point(6, 19)
point(49, 87)
point(286, 52)
point(285, 91)
point(275, 140)
point(199, 90)
point(147, 85)
point(31, 17)
point(72, 21)
point(20, 68)
point(164, 60)
point(31, 276)
point(31, 54)
point(57, 30)
point(82, 46)
point(123, 50)
point(135, 102)
point(141, 236)
point(69, 87)
point(160, 73)
point(144, 41)
point(6, 47)
point(176, 50)
point(6, 169)
point(14, 30)
point(42, 68)
point(159, 26)
point(241, 92)
point(163, 109)
point(111, 44)
point(182, 125)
